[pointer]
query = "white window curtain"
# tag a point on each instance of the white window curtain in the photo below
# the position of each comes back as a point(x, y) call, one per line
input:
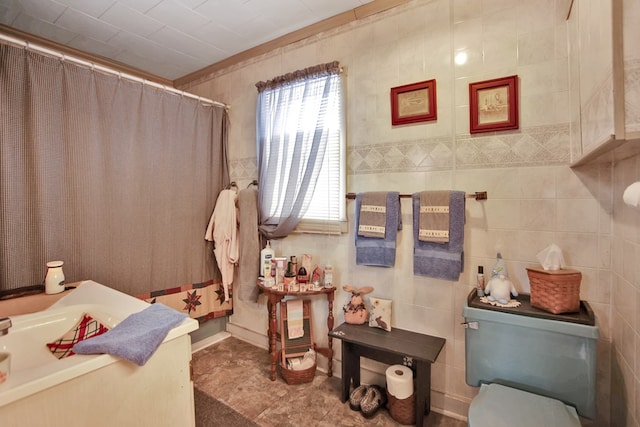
point(300, 149)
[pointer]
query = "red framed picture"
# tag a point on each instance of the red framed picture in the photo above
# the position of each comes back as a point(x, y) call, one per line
point(414, 103)
point(493, 105)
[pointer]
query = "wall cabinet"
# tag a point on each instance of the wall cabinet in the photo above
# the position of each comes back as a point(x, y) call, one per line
point(604, 80)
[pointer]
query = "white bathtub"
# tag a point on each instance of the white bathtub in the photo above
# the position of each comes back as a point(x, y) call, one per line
point(34, 370)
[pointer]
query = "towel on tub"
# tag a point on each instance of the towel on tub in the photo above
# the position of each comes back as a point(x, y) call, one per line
point(374, 251)
point(137, 337)
point(441, 260)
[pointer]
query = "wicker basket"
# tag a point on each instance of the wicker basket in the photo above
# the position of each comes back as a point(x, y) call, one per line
point(555, 291)
point(291, 376)
point(402, 410)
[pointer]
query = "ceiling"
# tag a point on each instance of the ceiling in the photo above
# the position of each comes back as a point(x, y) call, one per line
point(167, 38)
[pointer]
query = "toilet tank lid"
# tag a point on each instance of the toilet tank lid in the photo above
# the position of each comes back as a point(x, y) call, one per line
point(584, 316)
point(567, 328)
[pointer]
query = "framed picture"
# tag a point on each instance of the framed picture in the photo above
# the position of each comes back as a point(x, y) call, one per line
point(413, 103)
point(493, 105)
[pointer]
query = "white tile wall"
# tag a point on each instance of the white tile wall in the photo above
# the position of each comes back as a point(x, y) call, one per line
point(625, 300)
point(535, 199)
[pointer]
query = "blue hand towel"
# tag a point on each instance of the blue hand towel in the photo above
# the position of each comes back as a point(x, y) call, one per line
point(375, 251)
point(137, 337)
point(441, 260)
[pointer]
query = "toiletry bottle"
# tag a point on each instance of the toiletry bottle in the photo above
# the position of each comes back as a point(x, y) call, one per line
point(290, 279)
point(302, 275)
point(269, 281)
point(294, 264)
point(480, 284)
point(266, 254)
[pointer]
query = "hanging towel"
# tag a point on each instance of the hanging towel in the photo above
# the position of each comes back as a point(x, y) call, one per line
point(249, 246)
point(434, 216)
point(137, 337)
point(374, 251)
point(441, 260)
point(223, 231)
point(373, 215)
point(295, 326)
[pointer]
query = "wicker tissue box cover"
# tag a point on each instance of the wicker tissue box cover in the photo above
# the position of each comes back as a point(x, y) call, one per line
point(555, 291)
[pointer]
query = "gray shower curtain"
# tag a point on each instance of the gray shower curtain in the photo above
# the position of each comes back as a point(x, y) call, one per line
point(114, 177)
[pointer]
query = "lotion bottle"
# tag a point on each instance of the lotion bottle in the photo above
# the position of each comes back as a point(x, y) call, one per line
point(267, 254)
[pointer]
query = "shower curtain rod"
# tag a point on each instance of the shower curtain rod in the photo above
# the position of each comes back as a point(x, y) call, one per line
point(30, 46)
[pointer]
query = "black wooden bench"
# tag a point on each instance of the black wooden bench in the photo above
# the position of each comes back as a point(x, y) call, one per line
point(417, 351)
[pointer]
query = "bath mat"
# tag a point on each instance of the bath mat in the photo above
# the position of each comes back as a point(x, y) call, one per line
point(210, 412)
point(86, 328)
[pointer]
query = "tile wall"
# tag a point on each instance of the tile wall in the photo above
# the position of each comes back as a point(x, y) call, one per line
point(625, 301)
point(534, 197)
point(625, 290)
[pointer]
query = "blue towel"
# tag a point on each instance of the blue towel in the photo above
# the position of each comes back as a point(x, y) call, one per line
point(441, 260)
point(375, 251)
point(137, 337)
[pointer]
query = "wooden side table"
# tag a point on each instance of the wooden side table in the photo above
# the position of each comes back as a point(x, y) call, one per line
point(274, 297)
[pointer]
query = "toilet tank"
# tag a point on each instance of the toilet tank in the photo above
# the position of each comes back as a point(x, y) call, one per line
point(527, 348)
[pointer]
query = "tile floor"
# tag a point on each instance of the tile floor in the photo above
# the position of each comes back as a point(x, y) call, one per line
point(237, 373)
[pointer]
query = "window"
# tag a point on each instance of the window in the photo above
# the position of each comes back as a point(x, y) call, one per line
point(301, 151)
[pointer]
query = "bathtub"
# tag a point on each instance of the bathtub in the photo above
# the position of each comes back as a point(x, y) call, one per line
point(39, 378)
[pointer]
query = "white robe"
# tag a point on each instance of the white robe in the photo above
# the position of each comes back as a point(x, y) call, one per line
point(223, 230)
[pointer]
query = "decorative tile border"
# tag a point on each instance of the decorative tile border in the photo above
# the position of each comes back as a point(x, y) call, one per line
point(403, 156)
point(243, 169)
point(632, 95)
point(534, 146)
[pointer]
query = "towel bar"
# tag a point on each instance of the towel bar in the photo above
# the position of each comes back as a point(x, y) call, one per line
point(478, 195)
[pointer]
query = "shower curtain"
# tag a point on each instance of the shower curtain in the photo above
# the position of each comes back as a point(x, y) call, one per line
point(114, 177)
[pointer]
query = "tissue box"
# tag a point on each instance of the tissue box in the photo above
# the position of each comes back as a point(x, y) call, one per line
point(555, 291)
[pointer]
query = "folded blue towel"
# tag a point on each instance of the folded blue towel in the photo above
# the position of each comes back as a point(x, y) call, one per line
point(375, 251)
point(441, 260)
point(137, 337)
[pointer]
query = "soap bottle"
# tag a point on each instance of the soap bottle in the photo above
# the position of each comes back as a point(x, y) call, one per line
point(267, 254)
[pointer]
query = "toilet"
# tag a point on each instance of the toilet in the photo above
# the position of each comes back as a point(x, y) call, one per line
point(533, 368)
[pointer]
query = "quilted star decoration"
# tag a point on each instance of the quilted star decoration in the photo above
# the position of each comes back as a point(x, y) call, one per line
point(192, 301)
point(220, 293)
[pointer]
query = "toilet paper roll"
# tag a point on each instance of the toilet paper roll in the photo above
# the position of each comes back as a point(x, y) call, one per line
point(399, 381)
